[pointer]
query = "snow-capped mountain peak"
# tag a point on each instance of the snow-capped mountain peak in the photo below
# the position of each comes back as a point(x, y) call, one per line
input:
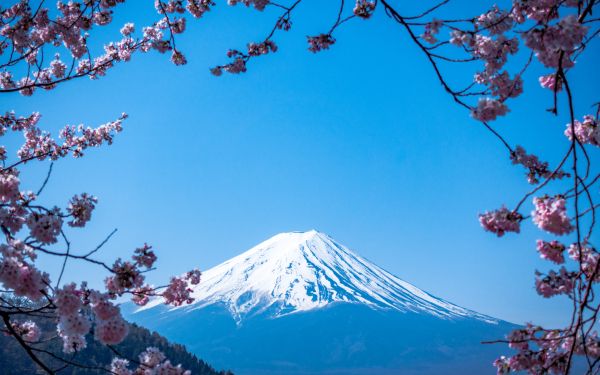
point(300, 271)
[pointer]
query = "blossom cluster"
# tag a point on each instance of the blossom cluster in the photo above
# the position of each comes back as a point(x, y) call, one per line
point(550, 214)
point(152, 361)
point(535, 167)
point(78, 311)
point(320, 42)
point(586, 131)
point(30, 33)
point(501, 221)
point(543, 351)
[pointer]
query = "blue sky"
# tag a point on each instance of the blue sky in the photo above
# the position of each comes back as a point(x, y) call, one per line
point(359, 142)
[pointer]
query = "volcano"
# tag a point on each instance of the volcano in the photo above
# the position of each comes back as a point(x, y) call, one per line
point(301, 303)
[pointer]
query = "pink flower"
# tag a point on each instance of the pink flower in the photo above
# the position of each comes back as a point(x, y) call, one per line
point(58, 68)
point(550, 81)
point(178, 292)
point(68, 300)
point(320, 42)
point(258, 4)
point(495, 21)
point(588, 257)
point(144, 256)
point(28, 330)
point(178, 58)
point(501, 221)
point(126, 276)
point(431, 30)
point(550, 214)
point(502, 365)
point(555, 283)
point(503, 87)
point(257, 49)
point(141, 295)
point(72, 343)
point(198, 7)
point(74, 324)
point(128, 29)
point(587, 131)
point(535, 167)
point(81, 207)
point(151, 357)
point(119, 367)
point(111, 331)
point(9, 185)
point(364, 9)
point(32, 283)
point(102, 307)
point(46, 227)
point(488, 109)
point(552, 251)
point(193, 276)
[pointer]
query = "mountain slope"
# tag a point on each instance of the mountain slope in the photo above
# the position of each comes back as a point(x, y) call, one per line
point(300, 303)
point(301, 271)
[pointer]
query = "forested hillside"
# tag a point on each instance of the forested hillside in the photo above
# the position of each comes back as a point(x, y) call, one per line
point(96, 357)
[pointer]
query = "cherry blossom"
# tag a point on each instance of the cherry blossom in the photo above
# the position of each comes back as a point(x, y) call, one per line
point(80, 208)
point(364, 8)
point(552, 251)
point(501, 221)
point(535, 167)
point(489, 109)
point(550, 214)
point(178, 292)
point(28, 330)
point(45, 227)
point(551, 82)
point(111, 331)
point(586, 131)
point(554, 283)
point(320, 42)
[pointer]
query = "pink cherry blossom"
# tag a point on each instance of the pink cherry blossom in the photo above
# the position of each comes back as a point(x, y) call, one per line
point(151, 357)
point(489, 109)
point(320, 42)
point(178, 292)
point(431, 30)
point(68, 299)
point(102, 307)
point(535, 167)
point(501, 221)
point(144, 256)
point(28, 330)
point(119, 367)
point(550, 81)
point(80, 208)
point(554, 283)
point(9, 186)
point(588, 257)
point(111, 331)
point(586, 131)
point(45, 227)
point(363, 8)
point(550, 214)
point(552, 251)
point(74, 324)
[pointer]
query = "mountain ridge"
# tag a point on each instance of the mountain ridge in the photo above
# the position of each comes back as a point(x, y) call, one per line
point(304, 270)
point(300, 303)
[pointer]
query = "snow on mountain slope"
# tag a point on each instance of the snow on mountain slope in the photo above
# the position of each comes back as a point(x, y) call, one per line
point(301, 271)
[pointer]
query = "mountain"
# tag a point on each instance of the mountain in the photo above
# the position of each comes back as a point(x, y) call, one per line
point(301, 303)
point(14, 360)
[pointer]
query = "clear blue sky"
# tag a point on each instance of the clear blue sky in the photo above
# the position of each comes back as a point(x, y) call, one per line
point(359, 142)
